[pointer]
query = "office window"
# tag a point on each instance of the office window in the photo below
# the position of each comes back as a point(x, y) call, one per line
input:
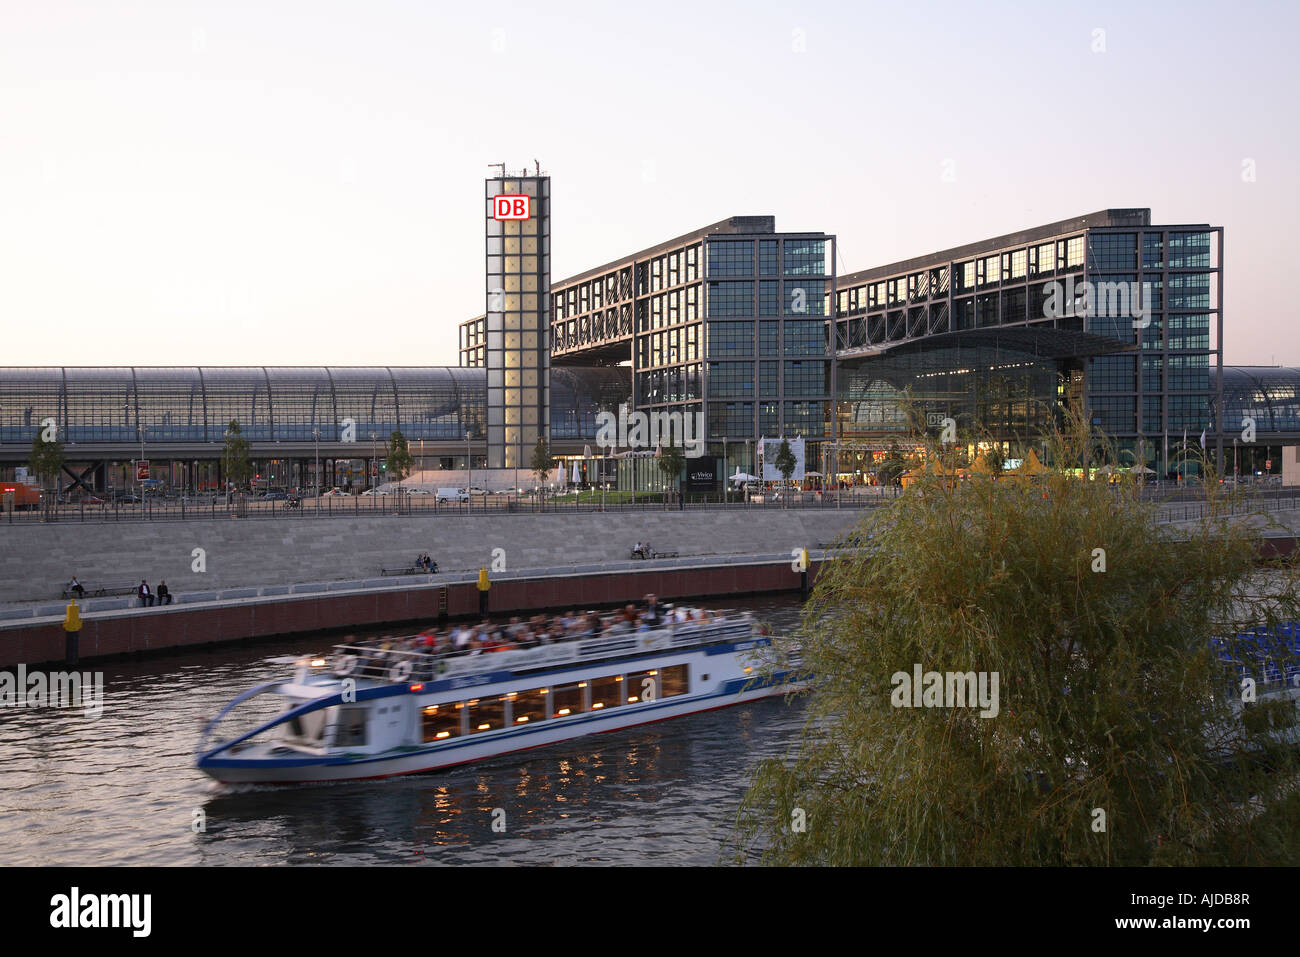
point(805, 337)
point(1109, 251)
point(731, 339)
point(731, 379)
point(805, 257)
point(731, 299)
point(769, 298)
point(805, 298)
point(805, 418)
point(1189, 250)
point(730, 258)
point(805, 378)
point(767, 258)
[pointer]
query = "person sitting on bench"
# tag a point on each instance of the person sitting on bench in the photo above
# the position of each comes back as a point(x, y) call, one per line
point(75, 586)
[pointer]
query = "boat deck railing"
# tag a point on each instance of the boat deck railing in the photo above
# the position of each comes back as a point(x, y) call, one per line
point(371, 659)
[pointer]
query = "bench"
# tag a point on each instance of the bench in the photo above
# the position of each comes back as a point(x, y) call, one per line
point(653, 554)
point(389, 571)
point(93, 589)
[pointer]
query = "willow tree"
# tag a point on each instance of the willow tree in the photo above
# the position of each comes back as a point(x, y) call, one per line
point(1093, 720)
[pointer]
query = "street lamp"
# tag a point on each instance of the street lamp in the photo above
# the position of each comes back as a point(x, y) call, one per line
point(469, 468)
point(315, 434)
point(374, 463)
point(726, 498)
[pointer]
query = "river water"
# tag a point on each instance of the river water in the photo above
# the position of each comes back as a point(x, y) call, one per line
point(121, 788)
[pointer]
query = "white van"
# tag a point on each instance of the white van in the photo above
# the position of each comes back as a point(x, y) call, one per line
point(452, 495)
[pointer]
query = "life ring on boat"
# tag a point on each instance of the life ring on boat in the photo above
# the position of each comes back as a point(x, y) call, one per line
point(345, 665)
point(400, 671)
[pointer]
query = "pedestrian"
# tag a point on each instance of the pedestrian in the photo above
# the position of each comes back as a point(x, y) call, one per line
point(75, 586)
point(164, 595)
point(146, 598)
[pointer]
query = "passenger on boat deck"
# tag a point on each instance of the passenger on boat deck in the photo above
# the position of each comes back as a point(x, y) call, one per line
point(651, 609)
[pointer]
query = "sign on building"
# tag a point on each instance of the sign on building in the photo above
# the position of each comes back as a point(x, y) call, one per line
point(767, 452)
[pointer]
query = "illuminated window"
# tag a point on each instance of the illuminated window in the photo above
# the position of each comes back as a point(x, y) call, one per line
point(568, 700)
point(441, 721)
point(487, 714)
point(675, 680)
point(529, 706)
point(642, 687)
point(606, 692)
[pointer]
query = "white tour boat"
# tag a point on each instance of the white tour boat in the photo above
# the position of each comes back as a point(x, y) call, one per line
point(373, 711)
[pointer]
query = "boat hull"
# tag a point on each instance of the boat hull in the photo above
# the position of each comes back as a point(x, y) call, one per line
point(304, 769)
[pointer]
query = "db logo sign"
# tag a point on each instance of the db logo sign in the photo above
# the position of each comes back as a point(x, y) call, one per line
point(512, 207)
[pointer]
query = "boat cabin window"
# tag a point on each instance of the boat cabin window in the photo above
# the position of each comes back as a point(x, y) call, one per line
point(568, 700)
point(674, 680)
point(351, 728)
point(529, 706)
point(643, 687)
point(487, 714)
point(606, 692)
point(442, 721)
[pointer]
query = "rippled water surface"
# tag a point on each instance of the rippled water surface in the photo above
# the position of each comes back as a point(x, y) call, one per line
point(122, 789)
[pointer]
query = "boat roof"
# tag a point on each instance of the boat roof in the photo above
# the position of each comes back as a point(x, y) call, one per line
point(369, 659)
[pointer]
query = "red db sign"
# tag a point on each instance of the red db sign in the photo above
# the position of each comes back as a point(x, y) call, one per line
point(512, 207)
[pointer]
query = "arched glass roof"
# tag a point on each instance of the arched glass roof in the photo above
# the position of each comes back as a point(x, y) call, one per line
point(1270, 395)
point(280, 403)
point(270, 403)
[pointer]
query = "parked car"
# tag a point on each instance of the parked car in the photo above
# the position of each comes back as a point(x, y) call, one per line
point(452, 495)
point(275, 496)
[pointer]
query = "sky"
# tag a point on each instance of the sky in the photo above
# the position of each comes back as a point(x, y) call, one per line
point(294, 183)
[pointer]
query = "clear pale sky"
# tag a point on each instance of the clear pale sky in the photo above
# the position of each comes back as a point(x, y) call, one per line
point(294, 183)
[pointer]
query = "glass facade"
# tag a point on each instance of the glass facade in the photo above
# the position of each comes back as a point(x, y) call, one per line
point(802, 291)
point(518, 322)
point(196, 405)
point(1111, 274)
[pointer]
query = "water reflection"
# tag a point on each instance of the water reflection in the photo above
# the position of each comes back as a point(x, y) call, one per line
point(121, 789)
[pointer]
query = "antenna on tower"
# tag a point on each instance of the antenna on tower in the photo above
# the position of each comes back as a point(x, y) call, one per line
point(502, 167)
point(538, 164)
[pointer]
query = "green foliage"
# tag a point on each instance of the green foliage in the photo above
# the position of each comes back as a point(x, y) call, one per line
point(399, 457)
point(672, 459)
point(784, 461)
point(1111, 699)
point(235, 459)
point(46, 459)
point(541, 462)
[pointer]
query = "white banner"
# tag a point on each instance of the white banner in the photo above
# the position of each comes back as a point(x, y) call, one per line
point(767, 452)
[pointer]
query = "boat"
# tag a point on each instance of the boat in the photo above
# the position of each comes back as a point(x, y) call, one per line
point(379, 708)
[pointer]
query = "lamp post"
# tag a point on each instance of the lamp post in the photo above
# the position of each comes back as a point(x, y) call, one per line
point(726, 499)
point(315, 434)
point(469, 467)
point(374, 463)
point(139, 427)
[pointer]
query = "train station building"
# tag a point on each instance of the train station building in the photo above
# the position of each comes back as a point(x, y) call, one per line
point(750, 331)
